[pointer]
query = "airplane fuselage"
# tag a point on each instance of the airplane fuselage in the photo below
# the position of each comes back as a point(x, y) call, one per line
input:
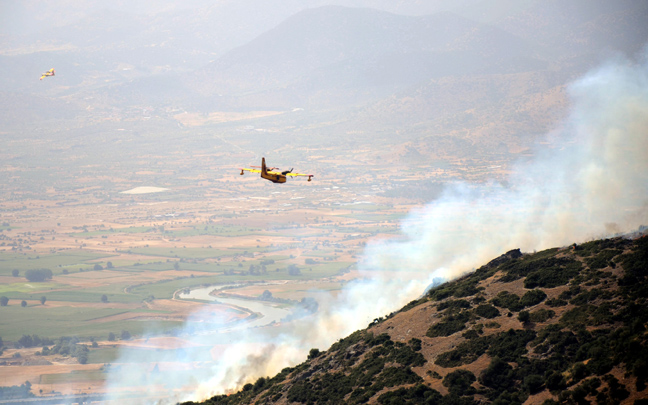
point(275, 178)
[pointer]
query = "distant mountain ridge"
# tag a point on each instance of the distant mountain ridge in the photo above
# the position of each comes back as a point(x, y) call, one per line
point(444, 79)
point(561, 326)
point(360, 50)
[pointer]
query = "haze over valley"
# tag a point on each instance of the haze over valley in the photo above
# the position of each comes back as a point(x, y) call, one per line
point(440, 135)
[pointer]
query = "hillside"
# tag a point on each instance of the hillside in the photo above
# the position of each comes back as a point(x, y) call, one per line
point(565, 325)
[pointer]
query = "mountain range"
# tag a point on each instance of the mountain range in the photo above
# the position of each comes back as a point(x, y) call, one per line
point(488, 75)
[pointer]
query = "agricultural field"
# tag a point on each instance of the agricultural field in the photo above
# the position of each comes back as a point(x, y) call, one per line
point(115, 273)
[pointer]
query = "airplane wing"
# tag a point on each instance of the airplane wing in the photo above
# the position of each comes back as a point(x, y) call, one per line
point(42, 77)
point(51, 70)
point(250, 170)
point(267, 168)
point(299, 174)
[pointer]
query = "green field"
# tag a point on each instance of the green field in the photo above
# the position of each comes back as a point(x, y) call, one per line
point(55, 262)
point(79, 376)
point(132, 229)
point(231, 231)
point(181, 253)
point(28, 287)
point(132, 278)
point(51, 322)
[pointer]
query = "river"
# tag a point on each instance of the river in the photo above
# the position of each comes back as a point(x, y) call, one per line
point(266, 312)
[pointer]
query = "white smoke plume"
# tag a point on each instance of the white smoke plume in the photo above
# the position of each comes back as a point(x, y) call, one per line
point(592, 183)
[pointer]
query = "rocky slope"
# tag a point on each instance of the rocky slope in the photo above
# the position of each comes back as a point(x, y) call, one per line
point(565, 325)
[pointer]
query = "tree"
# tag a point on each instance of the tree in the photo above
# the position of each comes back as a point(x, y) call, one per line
point(26, 341)
point(314, 353)
point(459, 382)
point(125, 335)
point(293, 270)
point(38, 275)
point(15, 272)
point(111, 337)
point(23, 303)
point(43, 299)
point(4, 301)
point(97, 267)
point(176, 266)
point(109, 265)
point(82, 357)
point(104, 298)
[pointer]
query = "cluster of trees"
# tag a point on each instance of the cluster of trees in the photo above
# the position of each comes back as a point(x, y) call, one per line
point(260, 269)
point(68, 346)
point(34, 340)
point(98, 267)
point(38, 275)
point(293, 270)
point(257, 270)
point(125, 335)
point(4, 301)
point(16, 391)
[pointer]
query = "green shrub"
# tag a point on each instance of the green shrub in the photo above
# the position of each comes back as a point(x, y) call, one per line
point(465, 352)
point(449, 325)
point(556, 302)
point(498, 376)
point(455, 304)
point(541, 315)
point(553, 276)
point(533, 383)
point(510, 345)
point(533, 297)
point(459, 382)
point(507, 300)
point(602, 259)
point(487, 311)
point(418, 394)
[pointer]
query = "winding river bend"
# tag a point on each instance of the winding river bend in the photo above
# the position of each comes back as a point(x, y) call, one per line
point(266, 312)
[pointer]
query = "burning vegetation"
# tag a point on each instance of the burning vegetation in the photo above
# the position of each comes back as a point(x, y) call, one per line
point(558, 326)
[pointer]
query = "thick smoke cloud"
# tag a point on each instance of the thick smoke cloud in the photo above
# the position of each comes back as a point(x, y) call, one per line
point(591, 182)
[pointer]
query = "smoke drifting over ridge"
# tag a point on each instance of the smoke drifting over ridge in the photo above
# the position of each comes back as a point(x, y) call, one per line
point(591, 183)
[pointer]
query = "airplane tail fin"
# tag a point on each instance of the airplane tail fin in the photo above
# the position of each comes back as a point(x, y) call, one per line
point(263, 166)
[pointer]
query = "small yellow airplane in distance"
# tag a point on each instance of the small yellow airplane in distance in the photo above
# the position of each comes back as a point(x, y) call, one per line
point(268, 173)
point(48, 73)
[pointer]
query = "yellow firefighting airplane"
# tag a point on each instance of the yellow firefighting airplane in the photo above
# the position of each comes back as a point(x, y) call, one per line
point(268, 173)
point(50, 72)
